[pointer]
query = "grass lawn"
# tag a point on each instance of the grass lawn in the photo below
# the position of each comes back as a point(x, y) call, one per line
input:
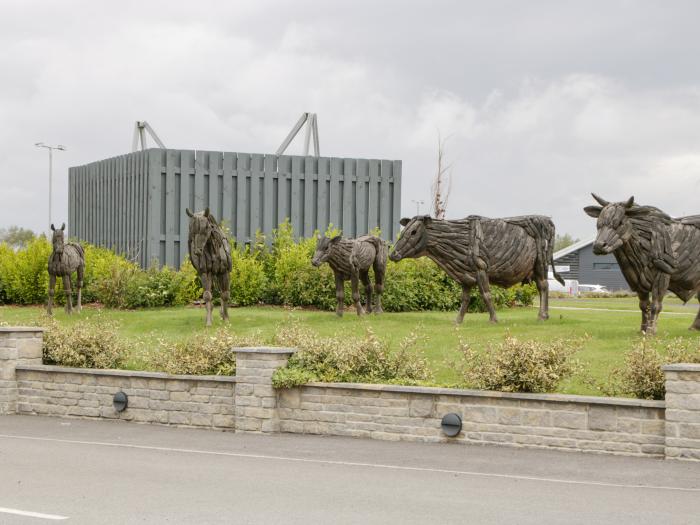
point(611, 324)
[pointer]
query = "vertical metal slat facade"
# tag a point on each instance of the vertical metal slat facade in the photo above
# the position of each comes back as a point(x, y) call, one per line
point(135, 204)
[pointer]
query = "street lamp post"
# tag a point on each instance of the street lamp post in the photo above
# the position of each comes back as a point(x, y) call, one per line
point(418, 204)
point(50, 148)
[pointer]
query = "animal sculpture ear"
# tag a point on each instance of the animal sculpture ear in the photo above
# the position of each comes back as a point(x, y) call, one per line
point(600, 200)
point(188, 212)
point(63, 226)
point(630, 202)
point(53, 229)
point(206, 211)
point(404, 221)
point(427, 219)
point(336, 239)
point(593, 211)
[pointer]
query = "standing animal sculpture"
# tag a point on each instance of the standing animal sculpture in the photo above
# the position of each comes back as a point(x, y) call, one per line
point(656, 253)
point(481, 251)
point(210, 254)
point(351, 259)
point(65, 259)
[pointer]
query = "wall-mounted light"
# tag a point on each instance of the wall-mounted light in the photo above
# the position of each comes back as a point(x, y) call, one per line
point(120, 401)
point(451, 424)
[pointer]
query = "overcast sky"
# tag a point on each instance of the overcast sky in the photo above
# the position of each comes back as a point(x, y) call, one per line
point(543, 102)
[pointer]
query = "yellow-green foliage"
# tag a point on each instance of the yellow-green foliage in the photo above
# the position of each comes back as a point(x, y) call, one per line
point(248, 279)
point(515, 365)
point(89, 343)
point(348, 359)
point(642, 375)
point(206, 353)
point(25, 277)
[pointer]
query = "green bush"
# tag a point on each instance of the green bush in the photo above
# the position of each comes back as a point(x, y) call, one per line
point(248, 279)
point(25, 277)
point(88, 343)
point(519, 366)
point(202, 354)
point(348, 359)
point(642, 374)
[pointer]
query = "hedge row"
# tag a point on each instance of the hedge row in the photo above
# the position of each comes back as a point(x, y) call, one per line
point(279, 272)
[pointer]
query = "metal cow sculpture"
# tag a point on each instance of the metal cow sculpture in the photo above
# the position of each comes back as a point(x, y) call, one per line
point(65, 259)
point(351, 259)
point(210, 254)
point(656, 253)
point(481, 251)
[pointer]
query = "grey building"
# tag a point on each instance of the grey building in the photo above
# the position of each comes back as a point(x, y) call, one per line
point(580, 263)
point(135, 203)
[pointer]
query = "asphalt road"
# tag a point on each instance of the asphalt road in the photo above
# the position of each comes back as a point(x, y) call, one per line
point(95, 472)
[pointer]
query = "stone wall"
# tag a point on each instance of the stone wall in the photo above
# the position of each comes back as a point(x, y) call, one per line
point(196, 401)
point(683, 411)
point(625, 426)
point(249, 403)
point(18, 345)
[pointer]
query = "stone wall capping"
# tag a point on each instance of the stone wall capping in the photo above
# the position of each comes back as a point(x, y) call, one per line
point(682, 367)
point(123, 373)
point(263, 350)
point(557, 398)
point(22, 329)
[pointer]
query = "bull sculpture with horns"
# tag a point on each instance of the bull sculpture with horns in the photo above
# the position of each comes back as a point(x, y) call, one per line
point(656, 253)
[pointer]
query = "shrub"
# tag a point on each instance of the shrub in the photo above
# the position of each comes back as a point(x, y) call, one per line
point(25, 278)
point(642, 374)
point(335, 359)
point(89, 343)
point(248, 279)
point(519, 366)
point(207, 353)
point(190, 286)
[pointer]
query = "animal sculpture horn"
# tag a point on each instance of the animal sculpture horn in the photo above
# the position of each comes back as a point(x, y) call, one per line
point(600, 200)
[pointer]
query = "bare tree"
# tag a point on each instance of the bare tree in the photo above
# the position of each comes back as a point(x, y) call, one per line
point(442, 184)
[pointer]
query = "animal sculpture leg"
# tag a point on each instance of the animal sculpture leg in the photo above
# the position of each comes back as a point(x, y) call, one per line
point(483, 281)
point(355, 282)
point(79, 284)
point(644, 304)
point(225, 288)
point(543, 289)
point(379, 270)
point(206, 284)
point(696, 323)
point(69, 295)
point(339, 294)
point(658, 291)
point(466, 292)
point(52, 291)
point(364, 276)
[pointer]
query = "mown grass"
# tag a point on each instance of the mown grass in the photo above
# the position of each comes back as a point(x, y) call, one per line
point(609, 334)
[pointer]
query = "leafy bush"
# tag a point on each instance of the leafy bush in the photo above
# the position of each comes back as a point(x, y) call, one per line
point(520, 366)
point(348, 359)
point(202, 354)
point(88, 343)
point(642, 375)
point(248, 279)
point(25, 278)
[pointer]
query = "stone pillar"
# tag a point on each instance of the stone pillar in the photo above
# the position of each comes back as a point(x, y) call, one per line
point(682, 411)
point(18, 345)
point(256, 400)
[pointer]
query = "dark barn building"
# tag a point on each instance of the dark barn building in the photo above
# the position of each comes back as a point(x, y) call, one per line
point(580, 263)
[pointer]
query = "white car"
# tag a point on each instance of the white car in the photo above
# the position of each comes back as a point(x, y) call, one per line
point(595, 288)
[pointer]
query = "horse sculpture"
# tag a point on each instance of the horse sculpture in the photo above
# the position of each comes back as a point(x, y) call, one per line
point(351, 259)
point(656, 253)
point(65, 259)
point(479, 251)
point(210, 254)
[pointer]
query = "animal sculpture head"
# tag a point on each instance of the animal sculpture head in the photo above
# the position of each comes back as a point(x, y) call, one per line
point(414, 238)
point(324, 245)
point(201, 226)
point(613, 227)
point(57, 238)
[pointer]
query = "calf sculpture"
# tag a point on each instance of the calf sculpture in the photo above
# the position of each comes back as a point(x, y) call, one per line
point(66, 258)
point(480, 251)
point(351, 259)
point(656, 253)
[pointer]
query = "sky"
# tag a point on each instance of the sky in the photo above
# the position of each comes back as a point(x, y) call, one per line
point(539, 103)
